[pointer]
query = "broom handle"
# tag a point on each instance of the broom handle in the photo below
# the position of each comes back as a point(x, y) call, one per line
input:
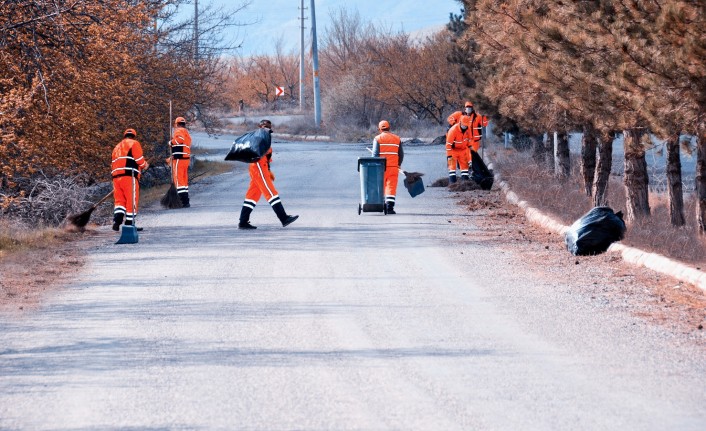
point(171, 174)
point(170, 121)
point(103, 199)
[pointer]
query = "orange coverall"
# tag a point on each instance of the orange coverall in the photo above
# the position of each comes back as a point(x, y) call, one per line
point(261, 183)
point(389, 146)
point(477, 124)
point(181, 155)
point(457, 151)
point(128, 162)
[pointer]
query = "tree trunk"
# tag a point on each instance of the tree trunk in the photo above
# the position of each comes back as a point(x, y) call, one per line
point(604, 164)
point(588, 159)
point(674, 183)
point(636, 179)
point(548, 152)
point(539, 153)
point(701, 184)
point(562, 163)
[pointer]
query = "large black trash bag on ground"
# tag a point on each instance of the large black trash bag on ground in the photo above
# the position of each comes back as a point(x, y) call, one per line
point(481, 174)
point(595, 231)
point(250, 147)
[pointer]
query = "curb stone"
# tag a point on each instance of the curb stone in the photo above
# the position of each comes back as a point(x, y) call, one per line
point(653, 261)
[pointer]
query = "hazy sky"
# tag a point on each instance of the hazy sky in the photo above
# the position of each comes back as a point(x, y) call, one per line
point(281, 18)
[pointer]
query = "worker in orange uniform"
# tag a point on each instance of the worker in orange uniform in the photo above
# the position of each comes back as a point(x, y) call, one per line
point(456, 116)
point(127, 165)
point(180, 146)
point(458, 141)
point(477, 124)
point(453, 119)
point(389, 146)
point(262, 183)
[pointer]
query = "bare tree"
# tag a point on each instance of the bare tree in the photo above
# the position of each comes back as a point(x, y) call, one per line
point(588, 159)
point(701, 184)
point(562, 161)
point(674, 182)
point(636, 179)
point(604, 165)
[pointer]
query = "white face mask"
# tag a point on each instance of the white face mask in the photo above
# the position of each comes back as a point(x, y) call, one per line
point(469, 110)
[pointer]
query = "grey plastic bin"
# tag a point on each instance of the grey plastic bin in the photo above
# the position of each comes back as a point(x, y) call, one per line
point(372, 176)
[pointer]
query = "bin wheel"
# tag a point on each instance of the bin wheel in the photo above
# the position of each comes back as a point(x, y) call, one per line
point(360, 208)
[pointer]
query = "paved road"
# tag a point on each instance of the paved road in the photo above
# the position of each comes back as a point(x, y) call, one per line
point(338, 321)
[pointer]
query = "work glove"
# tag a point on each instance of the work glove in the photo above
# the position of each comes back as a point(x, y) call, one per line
point(147, 166)
point(453, 145)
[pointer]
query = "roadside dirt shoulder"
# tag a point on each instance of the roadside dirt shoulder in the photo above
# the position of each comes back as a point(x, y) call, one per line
point(605, 279)
point(29, 276)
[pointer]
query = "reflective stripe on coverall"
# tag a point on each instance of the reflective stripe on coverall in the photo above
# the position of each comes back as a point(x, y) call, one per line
point(389, 146)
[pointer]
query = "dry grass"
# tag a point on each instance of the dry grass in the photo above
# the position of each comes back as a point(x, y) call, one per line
point(16, 236)
point(567, 202)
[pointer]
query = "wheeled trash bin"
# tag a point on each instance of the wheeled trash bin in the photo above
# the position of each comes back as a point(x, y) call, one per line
point(372, 193)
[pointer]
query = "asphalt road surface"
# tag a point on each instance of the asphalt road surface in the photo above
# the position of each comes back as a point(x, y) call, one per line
point(339, 321)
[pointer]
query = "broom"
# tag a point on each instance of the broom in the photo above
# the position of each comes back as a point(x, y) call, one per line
point(81, 220)
point(171, 200)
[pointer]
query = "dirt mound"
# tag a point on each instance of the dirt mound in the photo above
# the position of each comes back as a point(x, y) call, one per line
point(441, 182)
point(464, 186)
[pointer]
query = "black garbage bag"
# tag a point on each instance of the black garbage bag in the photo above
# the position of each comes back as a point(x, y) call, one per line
point(481, 174)
point(250, 147)
point(595, 231)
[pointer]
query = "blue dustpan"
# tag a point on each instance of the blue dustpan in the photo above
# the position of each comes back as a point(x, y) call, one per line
point(128, 235)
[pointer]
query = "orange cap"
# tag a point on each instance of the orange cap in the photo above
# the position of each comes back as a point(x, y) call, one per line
point(180, 120)
point(130, 133)
point(384, 125)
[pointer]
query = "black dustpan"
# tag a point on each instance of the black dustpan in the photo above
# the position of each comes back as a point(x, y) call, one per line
point(413, 183)
point(128, 235)
point(415, 187)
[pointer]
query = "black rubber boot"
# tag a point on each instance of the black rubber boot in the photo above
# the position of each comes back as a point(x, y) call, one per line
point(282, 215)
point(245, 219)
point(184, 200)
point(391, 208)
point(117, 221)
point(452, 179)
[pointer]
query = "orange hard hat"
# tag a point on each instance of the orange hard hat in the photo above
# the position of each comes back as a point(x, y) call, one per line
point(180, 120)
point(468, 105)
point(465, 121)
point(384, 125)
point(130, 133)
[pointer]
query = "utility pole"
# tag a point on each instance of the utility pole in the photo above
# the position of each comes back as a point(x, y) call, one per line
point(315, 60)
point(301, 61)
point(196, 30)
